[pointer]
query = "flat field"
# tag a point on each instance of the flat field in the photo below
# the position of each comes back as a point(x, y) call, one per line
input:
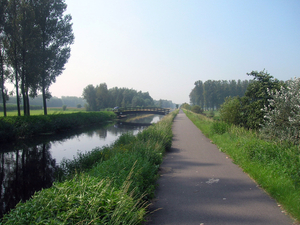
point(51, 110)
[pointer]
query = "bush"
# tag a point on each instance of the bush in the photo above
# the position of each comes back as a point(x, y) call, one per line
point(64, 107)
point(197, 109)
point(282, 120)
point(231, 111)
point(211, 114)
point(79, 106)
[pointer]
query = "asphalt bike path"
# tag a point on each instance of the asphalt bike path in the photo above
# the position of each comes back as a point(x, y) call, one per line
point(199, 185)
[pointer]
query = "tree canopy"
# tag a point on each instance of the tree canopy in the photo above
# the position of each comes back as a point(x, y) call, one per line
point(212, 93)
point(35, 45)
point(100, 97)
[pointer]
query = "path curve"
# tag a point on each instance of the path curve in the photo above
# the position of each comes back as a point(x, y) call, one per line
point(201, 185)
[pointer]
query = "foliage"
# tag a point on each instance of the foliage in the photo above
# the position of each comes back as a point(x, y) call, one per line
point(64, 107)
point(36, 41)
point(100, 97)
point(211, 114)
point(186, 106)
point(282, 113)
point(211, 94)
point(112, 185)
point(164, 104)
point(246, 111)
point(256, 97)
point(55, 123)
point(197, 109)
point(231, 111)
point(274, 166)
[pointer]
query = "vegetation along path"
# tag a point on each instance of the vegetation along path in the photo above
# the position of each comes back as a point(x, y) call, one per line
point(201, 185)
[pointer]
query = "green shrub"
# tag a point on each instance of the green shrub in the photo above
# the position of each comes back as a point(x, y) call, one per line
point(231, 111)
point(211, 114)
point(64, 107)
point(197, 109)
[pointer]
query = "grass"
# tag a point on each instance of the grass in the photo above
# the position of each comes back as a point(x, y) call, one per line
point(274, 166)
point(50, 111)
point(111, 185)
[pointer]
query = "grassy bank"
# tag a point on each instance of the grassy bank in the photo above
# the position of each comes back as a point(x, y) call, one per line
point(274, 166)
point(14, 127)
point(110, 185)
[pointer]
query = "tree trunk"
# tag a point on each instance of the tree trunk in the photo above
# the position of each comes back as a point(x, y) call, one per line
point(23, 94)
point(44, 97)
point(17, 92)
point(2, 83)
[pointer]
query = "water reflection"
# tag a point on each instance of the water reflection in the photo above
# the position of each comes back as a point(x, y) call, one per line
point(23, 172)
point(30, 165)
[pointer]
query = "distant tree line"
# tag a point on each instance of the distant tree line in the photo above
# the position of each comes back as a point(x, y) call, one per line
point(164, 103)
point(70, 101)
point(35, 39)
point(100, 97)
point(212, 93)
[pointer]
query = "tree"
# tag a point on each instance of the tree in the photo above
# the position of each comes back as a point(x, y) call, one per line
point(29, 70)
point(12, 43)
point(101, 96)
point(282, 113)
point(256, 97)
point(55, 37)
point(3, 5)
point(89, 94)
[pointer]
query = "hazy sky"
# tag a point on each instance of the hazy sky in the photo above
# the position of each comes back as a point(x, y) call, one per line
point(164, 46)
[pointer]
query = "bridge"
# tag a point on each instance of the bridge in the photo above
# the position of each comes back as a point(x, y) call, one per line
point(141, 110)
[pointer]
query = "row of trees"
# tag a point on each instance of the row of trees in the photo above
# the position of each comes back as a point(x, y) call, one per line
point(212, 93)
point(35, 39)
point(70, 101)
point(100, 97)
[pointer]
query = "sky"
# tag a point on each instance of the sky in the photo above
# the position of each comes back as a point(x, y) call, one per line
point(164, 46)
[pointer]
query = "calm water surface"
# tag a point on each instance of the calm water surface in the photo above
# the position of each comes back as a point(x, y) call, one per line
point(30, 165)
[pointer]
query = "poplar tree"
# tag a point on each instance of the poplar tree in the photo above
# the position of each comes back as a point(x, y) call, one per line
point(3, 5)
point(56, 36)
point(12, 43)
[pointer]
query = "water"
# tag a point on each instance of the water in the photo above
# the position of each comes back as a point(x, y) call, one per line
point(30, 165)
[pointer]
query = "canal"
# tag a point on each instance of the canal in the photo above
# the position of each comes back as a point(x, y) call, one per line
point(30, 165)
